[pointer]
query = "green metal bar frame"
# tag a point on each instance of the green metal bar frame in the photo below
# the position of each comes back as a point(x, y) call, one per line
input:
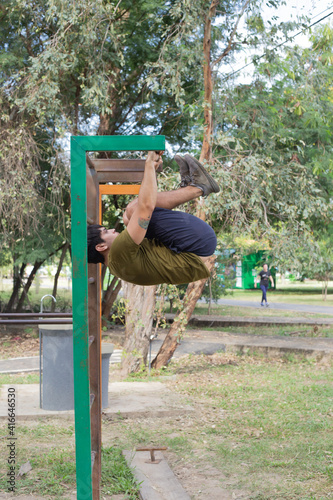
point(80, 145)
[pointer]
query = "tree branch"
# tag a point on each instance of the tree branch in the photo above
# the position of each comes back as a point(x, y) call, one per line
point(232, 36)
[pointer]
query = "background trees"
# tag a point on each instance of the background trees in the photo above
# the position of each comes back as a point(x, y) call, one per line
point(159, 67)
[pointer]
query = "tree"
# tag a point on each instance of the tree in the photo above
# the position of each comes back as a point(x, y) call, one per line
point(322, 268)
point(276, 135)
point(126, 67)
point(228, 34)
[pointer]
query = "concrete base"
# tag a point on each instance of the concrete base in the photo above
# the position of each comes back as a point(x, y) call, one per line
point(212, 320)
point(157, 481)
point(126, 399)
point(272, 346)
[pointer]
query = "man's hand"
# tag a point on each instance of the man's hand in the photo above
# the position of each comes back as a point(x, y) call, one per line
point(154, 158)
point(255, 285)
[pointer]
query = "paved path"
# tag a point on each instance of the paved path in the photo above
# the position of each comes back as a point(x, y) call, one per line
point(31, 364)
point(276, 305)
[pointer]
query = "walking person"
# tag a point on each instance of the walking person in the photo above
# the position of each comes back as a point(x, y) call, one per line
point(264, 277)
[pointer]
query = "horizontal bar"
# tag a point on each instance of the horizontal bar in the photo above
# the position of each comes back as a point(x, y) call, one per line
point(49, 321)
point(33, 315)
point(120, 142)
point(108, 165)
point(126, 177)
point(120, 165)
point(119, 189)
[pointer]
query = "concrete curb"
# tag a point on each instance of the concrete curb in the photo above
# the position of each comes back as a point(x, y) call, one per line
point(220, 321)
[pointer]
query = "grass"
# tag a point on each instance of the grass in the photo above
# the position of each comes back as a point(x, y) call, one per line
point(322, 331)
point(22, 378)
point(53, 467)
point(266, 426)
point(280, 421)
point(263, 427)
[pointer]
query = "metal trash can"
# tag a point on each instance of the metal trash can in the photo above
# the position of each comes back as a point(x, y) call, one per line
point(57, 381)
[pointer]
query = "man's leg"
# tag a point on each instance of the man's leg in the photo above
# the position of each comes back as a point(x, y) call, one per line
point(167, 199)
point(182, 232)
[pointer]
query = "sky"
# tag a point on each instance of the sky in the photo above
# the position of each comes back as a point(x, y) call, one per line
point(313, 9)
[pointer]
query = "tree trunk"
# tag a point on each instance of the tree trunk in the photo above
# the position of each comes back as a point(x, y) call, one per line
point(171, 341)
point(24, 293)
point(27, 286)
point(57, 274)
point(194, 290)
point(16, 287)
point(109, 298)
point(139, 321)
point(206, 151)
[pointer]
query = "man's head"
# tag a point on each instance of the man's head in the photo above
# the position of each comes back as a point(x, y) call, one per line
point(99, 243)
point(265, 267)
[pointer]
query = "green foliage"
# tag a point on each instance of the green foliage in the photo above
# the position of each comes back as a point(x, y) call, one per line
point(273, 149)
point(137, 67)
point(223, 277)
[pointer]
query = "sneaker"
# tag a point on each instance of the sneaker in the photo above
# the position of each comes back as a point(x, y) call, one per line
point(184, 171)
point(267, 304)
point(262, 304)
point(200, 177)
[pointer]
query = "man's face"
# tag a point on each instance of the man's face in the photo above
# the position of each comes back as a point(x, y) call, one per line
point(108, 235)
point(265, 268)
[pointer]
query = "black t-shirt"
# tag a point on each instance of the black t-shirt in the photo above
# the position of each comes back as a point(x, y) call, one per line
point(264, 277)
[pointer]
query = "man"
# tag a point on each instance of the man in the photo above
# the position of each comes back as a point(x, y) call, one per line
point(264, 276)
point(159, 245)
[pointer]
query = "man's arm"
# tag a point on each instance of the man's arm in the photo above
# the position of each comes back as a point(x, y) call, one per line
point(272, 281)
point(138, 224)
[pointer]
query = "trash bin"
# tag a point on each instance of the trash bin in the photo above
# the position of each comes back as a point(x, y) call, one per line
point(57, 381)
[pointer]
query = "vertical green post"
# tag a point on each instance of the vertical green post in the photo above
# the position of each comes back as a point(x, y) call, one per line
point(79, 147)
point(80, 321)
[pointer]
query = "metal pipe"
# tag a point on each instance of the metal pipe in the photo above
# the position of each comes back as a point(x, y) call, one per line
point(28, 321)
point(151, 338)
point(34, 315)
point(44, 296)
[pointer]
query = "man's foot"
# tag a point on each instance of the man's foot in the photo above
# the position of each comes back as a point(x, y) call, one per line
point(262, 304)
point(184, 171)
point(267, 304)
point(200, 177)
